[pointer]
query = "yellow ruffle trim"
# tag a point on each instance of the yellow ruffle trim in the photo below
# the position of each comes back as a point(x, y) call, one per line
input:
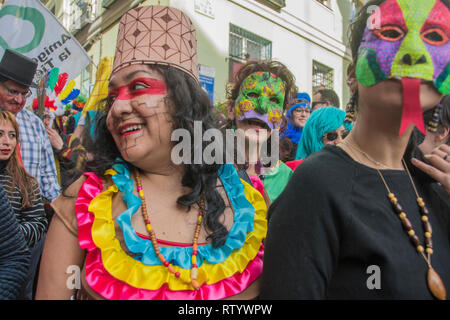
point(123, 267)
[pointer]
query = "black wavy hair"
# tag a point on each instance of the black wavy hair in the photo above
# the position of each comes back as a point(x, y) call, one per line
point(187, 102)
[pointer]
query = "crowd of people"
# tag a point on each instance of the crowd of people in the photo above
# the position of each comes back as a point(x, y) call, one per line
point(99, 191)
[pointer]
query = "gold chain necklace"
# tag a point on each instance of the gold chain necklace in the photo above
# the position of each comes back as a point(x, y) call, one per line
point(434, 282)
point(351, 145)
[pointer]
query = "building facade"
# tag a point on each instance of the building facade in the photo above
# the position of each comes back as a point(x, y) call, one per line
point(308, 36)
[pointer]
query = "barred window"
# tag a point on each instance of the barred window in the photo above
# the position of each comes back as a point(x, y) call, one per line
point(323, 77)
point(244, 46)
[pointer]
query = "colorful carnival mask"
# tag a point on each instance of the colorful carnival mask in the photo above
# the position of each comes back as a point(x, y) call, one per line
point(412, 43)
point(261, 97)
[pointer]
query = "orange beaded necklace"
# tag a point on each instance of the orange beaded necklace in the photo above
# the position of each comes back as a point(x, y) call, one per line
point(194, 270)
point(434, 282)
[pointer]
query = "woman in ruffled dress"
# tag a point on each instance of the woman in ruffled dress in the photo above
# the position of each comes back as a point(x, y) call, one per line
point(144, 227)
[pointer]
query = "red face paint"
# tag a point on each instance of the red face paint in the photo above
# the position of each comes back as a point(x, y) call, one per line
point(391, 14)
point(138, 87)
point(412, 111)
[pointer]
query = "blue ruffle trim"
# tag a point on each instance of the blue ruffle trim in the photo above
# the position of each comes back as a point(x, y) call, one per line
point(244, 217)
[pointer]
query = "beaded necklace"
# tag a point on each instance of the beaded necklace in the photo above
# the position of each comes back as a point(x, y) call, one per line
point(434, 282)
point(194, 269)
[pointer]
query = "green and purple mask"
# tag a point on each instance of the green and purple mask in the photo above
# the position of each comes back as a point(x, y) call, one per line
point(261, 97)
point(411, 43)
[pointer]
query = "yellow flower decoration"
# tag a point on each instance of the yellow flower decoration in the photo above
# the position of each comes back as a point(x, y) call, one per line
point(246, 105)
point(267, 91)
point(274, 115)
point(238, 111)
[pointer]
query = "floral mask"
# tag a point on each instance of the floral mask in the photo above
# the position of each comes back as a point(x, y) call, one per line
point(261, 97)
point(411, 43)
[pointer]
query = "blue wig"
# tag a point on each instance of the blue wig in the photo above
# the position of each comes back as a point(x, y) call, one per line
point(321, 121)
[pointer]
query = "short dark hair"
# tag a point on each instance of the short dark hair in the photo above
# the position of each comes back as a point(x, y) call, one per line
point(330, 95)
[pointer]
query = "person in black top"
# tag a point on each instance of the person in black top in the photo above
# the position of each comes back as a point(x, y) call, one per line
point(359, 220)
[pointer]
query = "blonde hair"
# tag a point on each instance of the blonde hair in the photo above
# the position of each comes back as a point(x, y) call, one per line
point(21, 179)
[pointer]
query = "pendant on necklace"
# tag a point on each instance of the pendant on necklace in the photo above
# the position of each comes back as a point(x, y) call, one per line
point(435, 284)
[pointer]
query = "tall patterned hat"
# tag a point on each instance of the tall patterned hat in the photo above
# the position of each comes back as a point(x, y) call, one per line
point(157, 35)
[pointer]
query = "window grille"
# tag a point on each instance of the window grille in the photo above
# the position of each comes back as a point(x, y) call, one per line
point(245, 46)
point(323, 77)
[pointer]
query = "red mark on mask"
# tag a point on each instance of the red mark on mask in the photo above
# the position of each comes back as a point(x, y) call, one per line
point(412, 111)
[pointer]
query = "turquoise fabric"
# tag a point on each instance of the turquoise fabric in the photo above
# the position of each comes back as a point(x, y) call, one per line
point(321, 121)
point(244, 214)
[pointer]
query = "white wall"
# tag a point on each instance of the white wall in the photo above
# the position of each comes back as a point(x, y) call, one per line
point(302, 32)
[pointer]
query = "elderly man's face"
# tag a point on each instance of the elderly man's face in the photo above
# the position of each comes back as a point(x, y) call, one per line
point(13, 96)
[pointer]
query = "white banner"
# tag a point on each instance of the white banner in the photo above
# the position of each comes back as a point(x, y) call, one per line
point(28, 27)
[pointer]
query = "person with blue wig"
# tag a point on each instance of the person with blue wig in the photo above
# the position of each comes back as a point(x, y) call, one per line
point(296, 116)
point(325, 126)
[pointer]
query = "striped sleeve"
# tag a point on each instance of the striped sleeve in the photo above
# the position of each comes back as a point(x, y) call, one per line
point(33, 220)
point(14, 254)
point(37, 153)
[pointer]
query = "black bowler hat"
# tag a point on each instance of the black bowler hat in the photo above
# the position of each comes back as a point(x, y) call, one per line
point(16, 67)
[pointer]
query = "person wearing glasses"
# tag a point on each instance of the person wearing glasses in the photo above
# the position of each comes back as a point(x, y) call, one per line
point(16, 77)
point(296, 116)
point(324, 127)
point(325, 98)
